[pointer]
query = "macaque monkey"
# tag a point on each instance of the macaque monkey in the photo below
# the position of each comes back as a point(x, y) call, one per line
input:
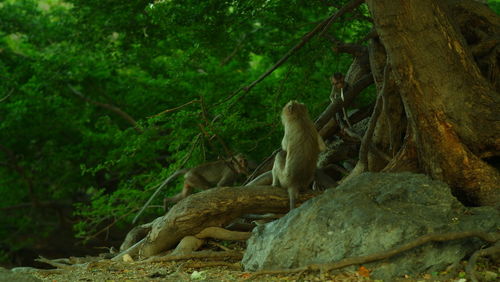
point(213, 174)
point(295, 166)
point(339, 85)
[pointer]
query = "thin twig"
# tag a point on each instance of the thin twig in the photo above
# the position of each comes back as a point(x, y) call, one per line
point(168, 180)
point(198, 255)
point(176, 108)
point(7, 96)
point(319, 29)
point(115, 221)
point(254, 173)
point(109, 107)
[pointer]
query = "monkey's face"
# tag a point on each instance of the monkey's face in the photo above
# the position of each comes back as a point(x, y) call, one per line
point(242, 164)
point(338, 82)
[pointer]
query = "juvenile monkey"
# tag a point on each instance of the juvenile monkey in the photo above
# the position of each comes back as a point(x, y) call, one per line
point(294, 167)
point(212, 174)
point(339, 85)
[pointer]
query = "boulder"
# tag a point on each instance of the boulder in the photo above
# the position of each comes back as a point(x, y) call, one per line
point(371, 213)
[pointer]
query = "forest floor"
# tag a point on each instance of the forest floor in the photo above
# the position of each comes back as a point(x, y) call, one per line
point(193, 270)
point(95, 269)
point(177, 271)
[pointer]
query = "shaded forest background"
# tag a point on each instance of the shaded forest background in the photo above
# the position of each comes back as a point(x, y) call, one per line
point(100, 101)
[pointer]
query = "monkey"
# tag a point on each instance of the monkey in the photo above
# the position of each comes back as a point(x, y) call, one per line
point(294, 167)
point(212, 174)
point(339, 85)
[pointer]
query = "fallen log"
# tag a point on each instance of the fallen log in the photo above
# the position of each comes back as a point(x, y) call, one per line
point(216, 207)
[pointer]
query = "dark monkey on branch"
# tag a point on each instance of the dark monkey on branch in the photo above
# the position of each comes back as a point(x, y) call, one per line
point(295, 165)
point(212, 174)
point(339, 86)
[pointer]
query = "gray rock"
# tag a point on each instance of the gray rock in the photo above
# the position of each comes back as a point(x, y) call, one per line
point(371, 213)
point(10, 276)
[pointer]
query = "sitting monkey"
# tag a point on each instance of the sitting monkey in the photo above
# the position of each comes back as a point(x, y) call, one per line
point(295, 166)
point(212, 174)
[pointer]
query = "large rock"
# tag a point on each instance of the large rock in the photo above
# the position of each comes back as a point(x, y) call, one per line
point(371, 213)
point(11, 276)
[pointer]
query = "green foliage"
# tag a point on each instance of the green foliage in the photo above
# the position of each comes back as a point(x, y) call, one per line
point(143, 59)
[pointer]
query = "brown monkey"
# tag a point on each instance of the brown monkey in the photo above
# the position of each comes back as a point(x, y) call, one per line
point(294, 167)
point(212, 174)
point(339, 86)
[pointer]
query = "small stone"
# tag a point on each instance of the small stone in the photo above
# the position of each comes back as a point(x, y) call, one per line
point(127, 258)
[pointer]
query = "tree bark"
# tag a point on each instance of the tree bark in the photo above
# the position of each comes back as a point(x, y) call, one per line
point(215, 207)
point(451, 108)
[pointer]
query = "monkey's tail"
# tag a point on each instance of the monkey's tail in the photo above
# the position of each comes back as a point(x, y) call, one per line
point(293, 194)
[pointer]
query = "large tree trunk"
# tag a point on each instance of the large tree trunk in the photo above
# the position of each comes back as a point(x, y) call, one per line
point(452, 110)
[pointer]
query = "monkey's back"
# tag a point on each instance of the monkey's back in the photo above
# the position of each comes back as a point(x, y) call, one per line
point(213, 171)
point(302, 147)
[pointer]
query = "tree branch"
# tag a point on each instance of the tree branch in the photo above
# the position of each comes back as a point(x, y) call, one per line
point(349, 96)
point(321, 28)
point(109, 107)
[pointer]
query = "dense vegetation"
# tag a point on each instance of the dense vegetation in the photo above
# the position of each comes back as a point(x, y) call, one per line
point(85, 85)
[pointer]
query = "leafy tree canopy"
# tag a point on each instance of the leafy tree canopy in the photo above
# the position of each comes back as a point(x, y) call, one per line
point(101, 100)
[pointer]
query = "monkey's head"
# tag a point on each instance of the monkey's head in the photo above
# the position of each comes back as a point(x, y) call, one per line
point(338, 80)
point(294, 110)
point(241, 164)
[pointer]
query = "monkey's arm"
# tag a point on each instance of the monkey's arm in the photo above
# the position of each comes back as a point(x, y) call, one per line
point(321, 143)
point(228, 178)
point(196, 180)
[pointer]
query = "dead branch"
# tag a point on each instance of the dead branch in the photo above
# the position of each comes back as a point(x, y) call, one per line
point(220, 246)
point(170, 178)
point(176, 108)
point(163, 184)
point(125, 116)
point(257, 171)
point(349, 48)
point(54, 263)
point(211, 208)
point(234, 255)
point(202, 264)
point(190, 243)
point(325, 267)
point(223, 234)
point(353, 4)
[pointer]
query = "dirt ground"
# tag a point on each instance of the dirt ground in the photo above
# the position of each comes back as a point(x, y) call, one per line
point(177, 271)
point(203, 270)
point(225, 269)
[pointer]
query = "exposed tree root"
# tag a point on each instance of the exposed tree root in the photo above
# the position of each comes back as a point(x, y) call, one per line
point(233, 255)
point(480, 253)
point(223, 234)
point(211, 208)
point(188, 245)
point(201, 264)
point(53, 263)
point(325, 267)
